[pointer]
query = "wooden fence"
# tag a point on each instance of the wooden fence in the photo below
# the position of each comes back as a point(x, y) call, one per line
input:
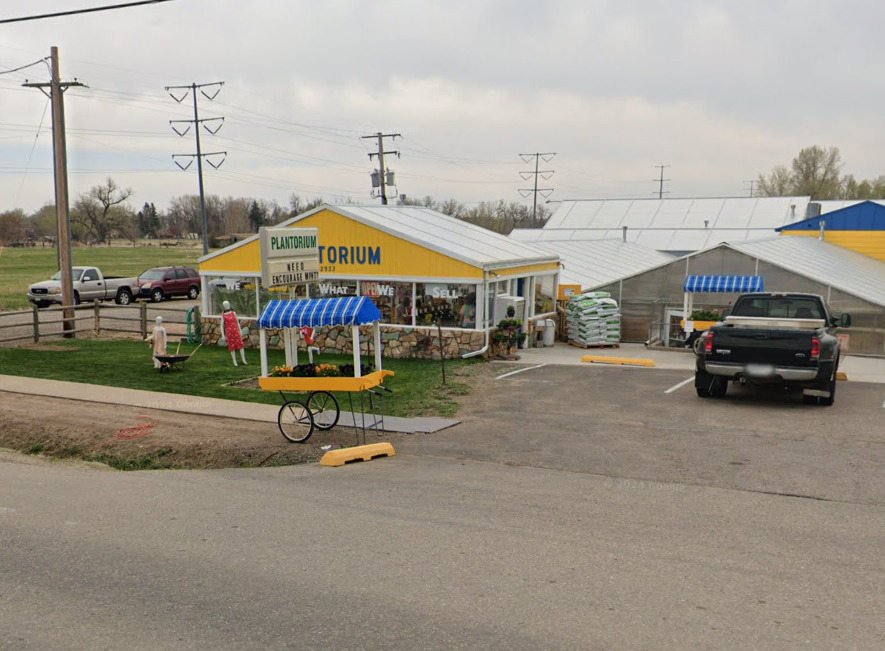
point(94, 319)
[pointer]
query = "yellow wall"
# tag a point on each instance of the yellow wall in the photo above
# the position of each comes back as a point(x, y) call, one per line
point(378, 254)
point(871, 243)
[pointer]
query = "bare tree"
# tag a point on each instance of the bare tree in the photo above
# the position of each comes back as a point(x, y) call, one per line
point(101, 212)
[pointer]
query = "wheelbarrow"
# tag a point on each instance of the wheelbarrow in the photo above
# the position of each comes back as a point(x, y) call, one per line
point(169, 362)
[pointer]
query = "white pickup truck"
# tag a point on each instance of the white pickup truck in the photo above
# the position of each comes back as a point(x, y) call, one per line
point(89, 285)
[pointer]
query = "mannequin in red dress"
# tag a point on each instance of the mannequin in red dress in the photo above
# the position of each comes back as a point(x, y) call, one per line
point(232, 333)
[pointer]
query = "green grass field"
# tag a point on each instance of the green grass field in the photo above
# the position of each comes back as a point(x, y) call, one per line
point(20, 268)
point(417, 386)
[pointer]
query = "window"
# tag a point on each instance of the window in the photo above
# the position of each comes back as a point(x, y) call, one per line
point(394, 300)
point(544, 299)
point(333, 288)
point(90, 274)
point(442, 303)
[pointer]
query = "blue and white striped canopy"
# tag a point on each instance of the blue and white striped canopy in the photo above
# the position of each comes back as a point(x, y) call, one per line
point(722, 284)
point(316, 312)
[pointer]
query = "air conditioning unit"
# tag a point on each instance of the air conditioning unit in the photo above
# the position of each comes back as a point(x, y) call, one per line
point(503, 301)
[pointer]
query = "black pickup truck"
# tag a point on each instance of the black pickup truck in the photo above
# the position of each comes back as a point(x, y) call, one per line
point(776, 339)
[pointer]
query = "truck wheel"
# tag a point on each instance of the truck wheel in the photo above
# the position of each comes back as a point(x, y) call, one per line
point(76, 298)
point(193, 292)
point(42, 304)
point(157, 295)
point(124, 297)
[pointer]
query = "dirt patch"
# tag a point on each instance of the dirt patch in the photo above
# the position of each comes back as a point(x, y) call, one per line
point(60, 428)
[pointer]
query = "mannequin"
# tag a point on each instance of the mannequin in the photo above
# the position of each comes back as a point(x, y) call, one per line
point(233, 333)
point(158, 340)
point(307, 333)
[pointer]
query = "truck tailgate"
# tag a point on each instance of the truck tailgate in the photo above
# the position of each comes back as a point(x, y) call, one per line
point(749, 345)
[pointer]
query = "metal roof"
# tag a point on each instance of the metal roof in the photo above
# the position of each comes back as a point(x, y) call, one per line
point(589, 263)
point(835, 266)
point(433, 230)
point(860, 216)
point(670, 224)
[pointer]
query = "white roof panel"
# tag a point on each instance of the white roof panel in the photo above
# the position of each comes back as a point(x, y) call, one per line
point(676, 224)
point(832, 265)
point(590, 263)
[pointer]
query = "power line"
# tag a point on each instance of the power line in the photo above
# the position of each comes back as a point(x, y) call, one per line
point(88, 10)
point(660, 182)
point(382, 177)
point(545, 174)
point(192, 90)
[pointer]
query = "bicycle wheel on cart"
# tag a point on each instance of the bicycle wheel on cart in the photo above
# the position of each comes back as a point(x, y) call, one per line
point(295, 421)
point(324, 409)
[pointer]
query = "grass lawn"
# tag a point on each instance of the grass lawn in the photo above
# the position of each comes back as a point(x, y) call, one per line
point(417, 387)
point(20, 268)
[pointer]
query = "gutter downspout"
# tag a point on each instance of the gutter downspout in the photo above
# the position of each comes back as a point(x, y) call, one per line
point(485, 330)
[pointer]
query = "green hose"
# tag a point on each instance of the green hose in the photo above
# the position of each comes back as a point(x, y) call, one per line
point(194, 329)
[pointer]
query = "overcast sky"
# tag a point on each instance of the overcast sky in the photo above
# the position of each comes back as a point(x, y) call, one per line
point(717, 90)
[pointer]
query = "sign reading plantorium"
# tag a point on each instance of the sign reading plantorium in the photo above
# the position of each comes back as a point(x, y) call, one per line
point(289, 256)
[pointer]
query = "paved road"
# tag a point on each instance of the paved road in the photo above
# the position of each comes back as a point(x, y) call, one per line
point(575, 508)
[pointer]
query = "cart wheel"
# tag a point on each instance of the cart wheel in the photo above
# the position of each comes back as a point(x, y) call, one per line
point(323, 402)
point(295, 421)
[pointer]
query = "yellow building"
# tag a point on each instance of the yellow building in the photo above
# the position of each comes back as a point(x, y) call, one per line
point(859, 227)
point(420, 267)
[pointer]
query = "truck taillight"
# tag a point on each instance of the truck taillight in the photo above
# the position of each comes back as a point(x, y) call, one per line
point(815, 348)
point(708, 343)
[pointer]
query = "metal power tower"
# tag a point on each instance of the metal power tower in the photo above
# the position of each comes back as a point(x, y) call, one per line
point(383, 177)
point(660, 181)
point(62, 209)
point(192, 89)
point(544, 174)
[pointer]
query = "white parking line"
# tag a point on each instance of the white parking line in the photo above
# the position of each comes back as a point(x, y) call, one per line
point(519, 371)
point(680, 385)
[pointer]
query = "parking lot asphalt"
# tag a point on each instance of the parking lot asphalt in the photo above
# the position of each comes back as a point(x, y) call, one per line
point(648, 425)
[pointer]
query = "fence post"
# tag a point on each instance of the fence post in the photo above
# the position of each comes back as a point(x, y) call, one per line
point(36, 325)
point(144, 321)
point(96, 327)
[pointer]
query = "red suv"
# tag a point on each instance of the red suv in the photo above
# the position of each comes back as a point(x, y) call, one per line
point(162, 282)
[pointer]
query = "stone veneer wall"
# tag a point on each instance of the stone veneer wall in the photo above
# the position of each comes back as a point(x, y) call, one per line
point(397, 342)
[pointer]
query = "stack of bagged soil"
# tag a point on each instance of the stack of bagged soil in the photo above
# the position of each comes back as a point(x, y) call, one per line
point(593, 319)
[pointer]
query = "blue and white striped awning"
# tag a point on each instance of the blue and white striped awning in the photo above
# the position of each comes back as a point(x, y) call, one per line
point(316, 312)
point(722, 284)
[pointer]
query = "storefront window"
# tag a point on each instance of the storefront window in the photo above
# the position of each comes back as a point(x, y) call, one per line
point(445, 304)
point(544, 302)
point(239, 292)
point(394, 300)
point(333, 288)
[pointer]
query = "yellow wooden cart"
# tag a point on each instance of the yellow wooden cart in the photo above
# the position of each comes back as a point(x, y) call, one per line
point(297, 419)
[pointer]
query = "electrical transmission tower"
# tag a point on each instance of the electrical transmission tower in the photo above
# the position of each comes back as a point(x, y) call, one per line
point(383, 177)
point(544, 174)
point(660, 181)
point(62, 209)
point(192, 89)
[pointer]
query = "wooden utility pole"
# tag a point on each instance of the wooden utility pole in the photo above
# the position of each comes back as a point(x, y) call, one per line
point(383, 175)
point(62, 209)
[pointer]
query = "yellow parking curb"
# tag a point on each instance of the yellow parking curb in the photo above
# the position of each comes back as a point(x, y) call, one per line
point(358, 453)
point(622, 361)
point(841, 375)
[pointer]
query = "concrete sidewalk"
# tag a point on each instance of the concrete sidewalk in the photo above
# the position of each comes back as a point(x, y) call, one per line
point(205, 406)
point(858, 369)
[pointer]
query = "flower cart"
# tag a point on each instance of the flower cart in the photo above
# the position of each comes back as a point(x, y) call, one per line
point(298, 418)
